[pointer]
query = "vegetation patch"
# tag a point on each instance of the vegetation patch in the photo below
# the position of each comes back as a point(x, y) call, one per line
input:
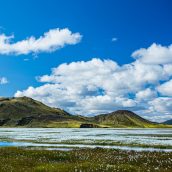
point(105, 160)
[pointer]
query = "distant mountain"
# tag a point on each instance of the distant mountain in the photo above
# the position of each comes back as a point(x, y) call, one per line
point(168, 122)
point(123, 118)
point(27, 112)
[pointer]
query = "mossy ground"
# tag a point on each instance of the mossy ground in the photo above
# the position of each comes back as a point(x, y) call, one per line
point(83, 160)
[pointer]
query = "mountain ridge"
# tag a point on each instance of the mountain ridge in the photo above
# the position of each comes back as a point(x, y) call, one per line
point(27, 112)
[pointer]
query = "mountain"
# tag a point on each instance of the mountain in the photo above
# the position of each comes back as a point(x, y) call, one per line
point(122, 118)
point(168, 122)
point(24, 111)
point(27, 112)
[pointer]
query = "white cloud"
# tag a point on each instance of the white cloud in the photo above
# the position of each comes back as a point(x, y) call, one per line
point(168, 69)
point(155, 54)
point(166, 88)
point(100, 86)
point(3, 80)
point(158, 118)
point(52, 40)
point(146, 94)
point(161, 105)
point(97, 86)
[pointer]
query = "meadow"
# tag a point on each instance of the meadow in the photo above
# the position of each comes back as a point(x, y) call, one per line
point(85, 150)
point(83, 160)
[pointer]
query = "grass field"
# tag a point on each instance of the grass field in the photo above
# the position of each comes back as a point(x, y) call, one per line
point(83, 160)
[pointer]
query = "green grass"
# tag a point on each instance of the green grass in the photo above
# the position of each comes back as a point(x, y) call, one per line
point(85, 160)
point(64, 124)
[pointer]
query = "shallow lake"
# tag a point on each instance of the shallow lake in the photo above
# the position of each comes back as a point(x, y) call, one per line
point(66, 138)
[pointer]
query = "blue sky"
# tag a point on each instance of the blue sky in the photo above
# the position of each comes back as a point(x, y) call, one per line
point(135, 24)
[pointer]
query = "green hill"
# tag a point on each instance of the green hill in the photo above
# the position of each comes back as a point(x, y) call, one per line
point(123, 118)
point(168, 122)
point(24, 111)
point(27, 112)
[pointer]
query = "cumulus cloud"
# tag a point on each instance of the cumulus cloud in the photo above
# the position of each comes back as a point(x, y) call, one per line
point(99, 86)
point(146, 94)
point(155, 54)
point(166, 88)
point(52, 40)
point(161, 105)
point(3, 80)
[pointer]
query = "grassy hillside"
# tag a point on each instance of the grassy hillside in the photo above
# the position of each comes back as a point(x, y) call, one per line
point(123, 118)
point(24, 111)
point(169, 122)
point(27, 112)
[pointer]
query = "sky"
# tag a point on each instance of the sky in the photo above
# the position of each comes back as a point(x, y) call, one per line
point(89, 57)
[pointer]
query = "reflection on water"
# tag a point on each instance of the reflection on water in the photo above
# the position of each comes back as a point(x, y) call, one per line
point(51, 138)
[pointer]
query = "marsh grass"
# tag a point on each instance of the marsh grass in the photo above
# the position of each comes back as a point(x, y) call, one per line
point(83, 160)
point(106, 143)
point(71, 143)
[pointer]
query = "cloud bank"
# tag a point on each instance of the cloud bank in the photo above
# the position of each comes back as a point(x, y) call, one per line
point(52, 40)
point(99, 86)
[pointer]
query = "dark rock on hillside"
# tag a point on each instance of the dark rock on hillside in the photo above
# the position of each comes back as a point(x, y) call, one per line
point(4, 121)
point(88, 126)
point(25, 121)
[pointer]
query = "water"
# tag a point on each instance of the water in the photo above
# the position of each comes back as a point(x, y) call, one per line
point(60, 138)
